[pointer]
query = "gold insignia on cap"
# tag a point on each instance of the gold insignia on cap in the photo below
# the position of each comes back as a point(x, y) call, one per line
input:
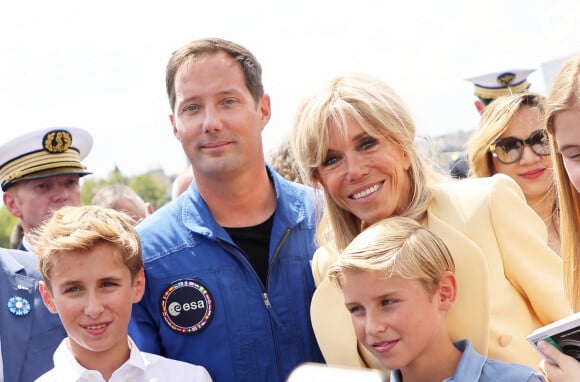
point(506, 79)
point(57, 141)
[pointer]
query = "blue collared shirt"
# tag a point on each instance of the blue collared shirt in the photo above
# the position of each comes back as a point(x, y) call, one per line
point(475, 367)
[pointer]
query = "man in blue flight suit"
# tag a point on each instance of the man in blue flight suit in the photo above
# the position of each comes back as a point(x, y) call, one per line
point(227, 263)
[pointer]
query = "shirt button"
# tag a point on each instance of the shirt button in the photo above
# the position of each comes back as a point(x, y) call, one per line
point(504, 341)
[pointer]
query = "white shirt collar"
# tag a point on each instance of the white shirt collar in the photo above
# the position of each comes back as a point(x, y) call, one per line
point(69, 369)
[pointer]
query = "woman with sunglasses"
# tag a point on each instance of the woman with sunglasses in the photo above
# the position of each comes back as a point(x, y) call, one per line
point(355, 140)
point(511, 140)
point(563, 124)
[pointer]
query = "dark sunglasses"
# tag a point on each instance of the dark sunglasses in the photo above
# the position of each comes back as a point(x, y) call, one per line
point(511, 149)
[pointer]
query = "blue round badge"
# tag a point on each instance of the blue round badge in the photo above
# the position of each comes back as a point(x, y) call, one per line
point(18, 306)
point(186, 306)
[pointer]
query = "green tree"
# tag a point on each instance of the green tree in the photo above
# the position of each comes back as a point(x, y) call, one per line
point(147, 186)
point(91, 184)
point(150, 189)
point(7, 223)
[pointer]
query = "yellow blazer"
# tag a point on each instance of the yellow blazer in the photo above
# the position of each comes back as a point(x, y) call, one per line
point(509, 281)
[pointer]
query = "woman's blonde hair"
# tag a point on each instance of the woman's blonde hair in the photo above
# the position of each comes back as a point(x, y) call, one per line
point(565, 95)
point(78, 229)
point(380, 112)
point(496, 119)
point(397, 246)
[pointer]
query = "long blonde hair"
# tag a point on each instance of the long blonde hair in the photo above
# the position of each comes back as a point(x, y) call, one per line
point(565, 95)
point(380, 112)
point(495, 120)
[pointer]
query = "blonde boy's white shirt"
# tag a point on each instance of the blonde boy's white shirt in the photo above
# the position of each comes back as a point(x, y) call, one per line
point(141, 366)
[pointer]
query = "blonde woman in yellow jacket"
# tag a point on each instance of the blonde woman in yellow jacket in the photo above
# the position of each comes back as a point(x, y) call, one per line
point(355, 140)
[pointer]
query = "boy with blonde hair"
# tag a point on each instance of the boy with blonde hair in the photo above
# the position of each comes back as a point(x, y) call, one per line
point(398, 282)
point(90, 259)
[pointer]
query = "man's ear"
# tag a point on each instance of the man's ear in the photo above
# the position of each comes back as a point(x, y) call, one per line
point(11, 203)
point(46, 297)
point(139, 285)
point(479, 106)
point(149, 207)
point(175, 131)
point(447, 290)
point(264, 109)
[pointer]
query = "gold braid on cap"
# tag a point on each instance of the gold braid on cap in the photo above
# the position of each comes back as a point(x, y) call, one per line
point(39, 161)
point(492, 93)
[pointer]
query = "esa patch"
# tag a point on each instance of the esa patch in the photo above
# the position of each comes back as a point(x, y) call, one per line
point(186, 306)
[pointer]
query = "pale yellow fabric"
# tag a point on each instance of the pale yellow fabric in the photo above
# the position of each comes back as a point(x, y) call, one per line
point(509, 281)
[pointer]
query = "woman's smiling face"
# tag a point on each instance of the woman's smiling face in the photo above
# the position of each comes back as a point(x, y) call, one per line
point(532, 172)
point(365, 175)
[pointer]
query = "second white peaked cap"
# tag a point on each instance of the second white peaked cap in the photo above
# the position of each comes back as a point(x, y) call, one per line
point(495, 84)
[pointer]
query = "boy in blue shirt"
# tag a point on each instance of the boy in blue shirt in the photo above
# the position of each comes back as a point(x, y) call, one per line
point(398, 283)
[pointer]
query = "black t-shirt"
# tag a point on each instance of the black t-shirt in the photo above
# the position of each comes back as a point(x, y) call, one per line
point(255, 243)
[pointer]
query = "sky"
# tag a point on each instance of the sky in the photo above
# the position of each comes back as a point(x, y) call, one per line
point(100, 65)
